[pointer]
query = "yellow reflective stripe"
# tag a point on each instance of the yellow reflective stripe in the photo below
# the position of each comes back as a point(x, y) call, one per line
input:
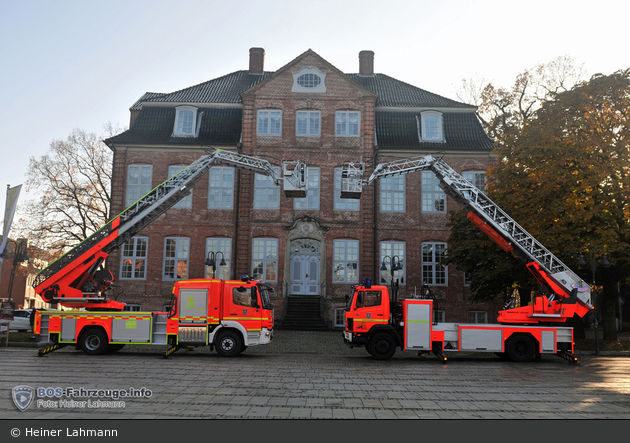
point(382, 320)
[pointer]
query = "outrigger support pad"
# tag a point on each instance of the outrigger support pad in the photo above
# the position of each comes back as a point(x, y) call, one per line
point(568, 356)
point(174, 349)
point(438, 354)
point(49, 349)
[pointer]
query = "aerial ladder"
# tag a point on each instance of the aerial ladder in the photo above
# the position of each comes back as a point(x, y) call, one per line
point(78, 280)
point(569, 294)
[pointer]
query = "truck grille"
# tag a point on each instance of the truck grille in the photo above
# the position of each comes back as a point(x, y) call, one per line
point(349, 324)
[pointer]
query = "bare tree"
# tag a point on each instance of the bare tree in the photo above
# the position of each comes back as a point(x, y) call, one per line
point(503, 111)
point(72, 183)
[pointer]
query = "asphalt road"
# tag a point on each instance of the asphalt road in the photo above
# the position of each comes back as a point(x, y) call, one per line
point(314, 375)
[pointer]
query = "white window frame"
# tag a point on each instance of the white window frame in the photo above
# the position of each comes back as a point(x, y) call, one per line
point(319, 88)
point(393, 194)
point(343, 122)
point(135, 258)
point(132, 307)
point(223, 245)
point(220, 188)
point(392, 249)
point(311, 201)
point(266, 192)
point(312, 123)
point(432, 126)
point(265, 259)
point(340, 317)
point(186, 202)
point(269, 122)
point(467, 278)
point(432, 194)
point(343, 204)
point(474, 317)
point(180, 265)
point(439, 316)
point(434, 274)
point(477, 178)
point(345, 255)
point(135, 191)
point(182, 127)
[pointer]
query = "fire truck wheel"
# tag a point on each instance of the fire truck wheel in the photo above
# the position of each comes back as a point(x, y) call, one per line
point(521, 348)
point(94, 342)
point(229, 344)
point(382, 346)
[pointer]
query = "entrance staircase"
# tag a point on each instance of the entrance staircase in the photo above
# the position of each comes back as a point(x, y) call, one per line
point(303, 313)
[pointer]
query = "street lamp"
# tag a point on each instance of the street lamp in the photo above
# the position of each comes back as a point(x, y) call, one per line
point(604, 262)
point(19, 256)
point(395, 265)
point(210, 261)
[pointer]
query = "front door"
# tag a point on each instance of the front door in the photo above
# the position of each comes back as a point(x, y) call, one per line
point(305, 267)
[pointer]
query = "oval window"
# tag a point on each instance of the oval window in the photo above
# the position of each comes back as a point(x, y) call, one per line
point(309, 80)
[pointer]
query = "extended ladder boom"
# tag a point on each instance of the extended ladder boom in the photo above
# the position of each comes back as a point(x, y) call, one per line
point(489, 217)
point(74, 278)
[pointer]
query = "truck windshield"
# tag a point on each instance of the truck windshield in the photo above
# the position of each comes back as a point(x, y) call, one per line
point(264, 296)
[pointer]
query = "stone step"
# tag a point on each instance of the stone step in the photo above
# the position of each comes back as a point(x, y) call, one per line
point(302, 313)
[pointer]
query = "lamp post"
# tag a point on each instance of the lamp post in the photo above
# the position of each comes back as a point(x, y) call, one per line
point(604, 262)
point(395, 265)
point(211, 261)
point(19, 256)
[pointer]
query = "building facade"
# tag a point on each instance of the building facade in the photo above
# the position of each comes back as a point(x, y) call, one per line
point(315, 247)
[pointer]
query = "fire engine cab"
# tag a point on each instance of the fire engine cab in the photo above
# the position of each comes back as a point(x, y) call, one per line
point(378, 321)
point(228, 316)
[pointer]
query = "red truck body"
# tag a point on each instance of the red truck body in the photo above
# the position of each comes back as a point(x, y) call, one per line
point(226, 315)
point(381, 325)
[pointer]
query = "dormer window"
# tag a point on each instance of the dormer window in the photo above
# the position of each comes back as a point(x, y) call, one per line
point(309, 79)
point(432, 128)
point(185, 121)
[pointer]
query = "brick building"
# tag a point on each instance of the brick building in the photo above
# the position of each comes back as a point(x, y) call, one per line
point(307, 249)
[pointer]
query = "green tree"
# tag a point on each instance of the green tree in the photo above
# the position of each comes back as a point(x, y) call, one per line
point(494, 273)
point(565, 178)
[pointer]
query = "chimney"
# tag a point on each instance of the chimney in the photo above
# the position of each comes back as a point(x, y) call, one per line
point(366, 63)
point(256, 60)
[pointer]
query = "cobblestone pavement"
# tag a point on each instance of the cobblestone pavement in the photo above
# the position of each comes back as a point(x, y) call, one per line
point(314, 375)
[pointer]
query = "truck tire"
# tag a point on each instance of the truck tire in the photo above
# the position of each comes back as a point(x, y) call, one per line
point(521, 348)
point(94, 342)
point(382, 346)
point(229, 344)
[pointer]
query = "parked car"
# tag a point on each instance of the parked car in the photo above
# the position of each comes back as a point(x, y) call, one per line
point(21, 320)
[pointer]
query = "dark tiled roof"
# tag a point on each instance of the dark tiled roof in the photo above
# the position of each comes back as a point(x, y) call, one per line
point(226, 89)
point(147, 97)
point(221, 126)
point(462, 130)
point(395, 129)
point(394, 93)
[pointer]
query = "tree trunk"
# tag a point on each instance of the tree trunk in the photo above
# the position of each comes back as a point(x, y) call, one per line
point(608, 307)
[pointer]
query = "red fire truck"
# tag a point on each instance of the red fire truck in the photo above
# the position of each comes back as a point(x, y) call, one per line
point(226, 315)
point(378, 321)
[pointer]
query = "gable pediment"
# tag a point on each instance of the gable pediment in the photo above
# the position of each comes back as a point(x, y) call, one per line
point(309, 75)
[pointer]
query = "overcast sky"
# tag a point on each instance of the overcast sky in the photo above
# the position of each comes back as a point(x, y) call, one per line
point(69, 64)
